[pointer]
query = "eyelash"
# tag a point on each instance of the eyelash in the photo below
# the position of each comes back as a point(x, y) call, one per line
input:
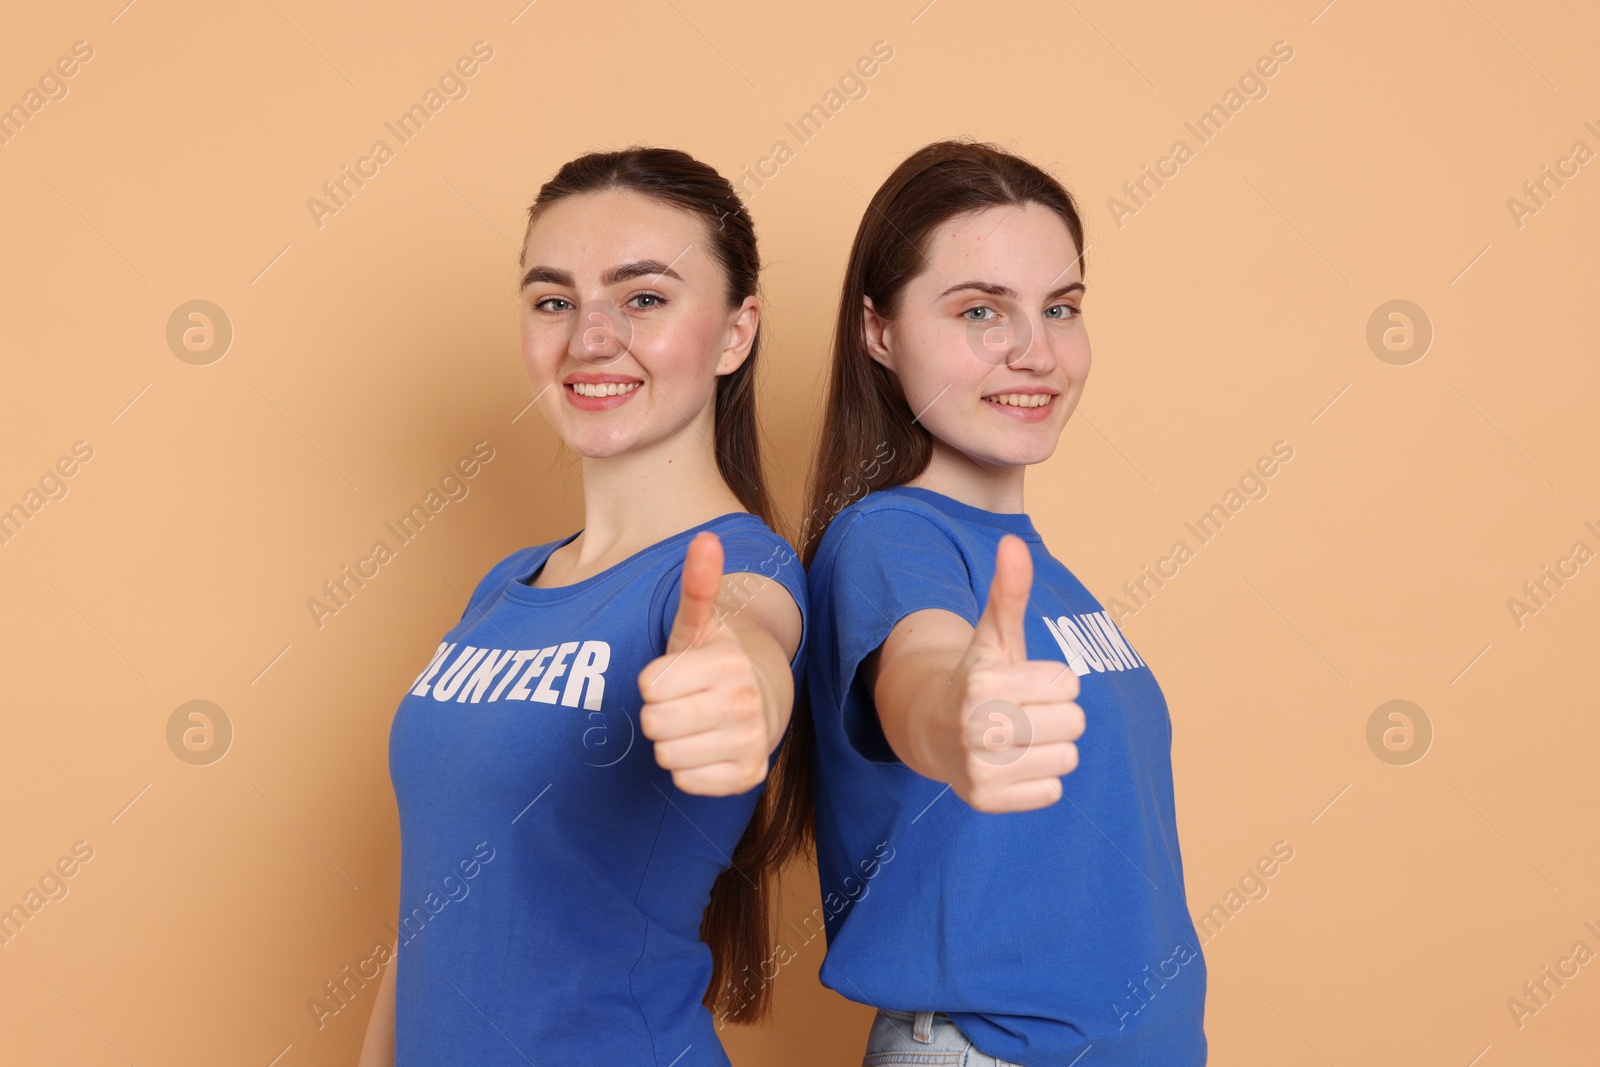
point(1076, 311)
point(541, 303)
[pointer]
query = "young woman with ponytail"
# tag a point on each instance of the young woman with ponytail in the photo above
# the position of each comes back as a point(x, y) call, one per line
point(586, 843)
point(1035, 915)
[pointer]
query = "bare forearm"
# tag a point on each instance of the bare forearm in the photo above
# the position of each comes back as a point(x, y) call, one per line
point(913, 695)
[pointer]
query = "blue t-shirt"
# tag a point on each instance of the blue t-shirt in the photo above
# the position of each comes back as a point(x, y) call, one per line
point(552, 878)
point(1041, 933)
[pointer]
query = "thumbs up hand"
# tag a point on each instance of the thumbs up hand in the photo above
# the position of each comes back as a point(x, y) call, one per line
point(1008, 728)
point(703, 701)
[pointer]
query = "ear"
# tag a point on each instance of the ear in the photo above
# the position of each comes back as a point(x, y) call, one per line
point(741, 335)
point(875, 332)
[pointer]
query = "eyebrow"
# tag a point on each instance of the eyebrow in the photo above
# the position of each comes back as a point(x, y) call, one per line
point(1006, 291)
point(638, 268)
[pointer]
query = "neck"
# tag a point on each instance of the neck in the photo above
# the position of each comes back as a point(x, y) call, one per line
point(640, 497)
point(992, 487)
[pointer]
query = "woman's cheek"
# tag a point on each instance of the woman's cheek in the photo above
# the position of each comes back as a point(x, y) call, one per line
point(680, 359)
point(942, 374)
point(1079, 359)
point(950, 426)
point(542, 351)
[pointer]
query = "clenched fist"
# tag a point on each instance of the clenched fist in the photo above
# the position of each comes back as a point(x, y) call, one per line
point(703, 703)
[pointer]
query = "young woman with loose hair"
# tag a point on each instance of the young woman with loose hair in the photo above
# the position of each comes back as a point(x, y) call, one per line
point(586, 844)
point(1035, 916)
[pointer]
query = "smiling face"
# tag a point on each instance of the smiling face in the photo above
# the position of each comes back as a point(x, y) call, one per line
point(625, 321)
point(988, 342)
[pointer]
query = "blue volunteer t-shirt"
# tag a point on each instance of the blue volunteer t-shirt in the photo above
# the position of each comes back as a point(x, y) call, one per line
point(552, 878)
point(1042, 934)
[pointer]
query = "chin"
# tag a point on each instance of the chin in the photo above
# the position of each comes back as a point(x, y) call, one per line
point(599, 445)
point(1015, 456)
point(601, 451)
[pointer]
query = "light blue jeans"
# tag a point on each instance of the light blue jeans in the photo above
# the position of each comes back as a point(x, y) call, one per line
point(928, 1038)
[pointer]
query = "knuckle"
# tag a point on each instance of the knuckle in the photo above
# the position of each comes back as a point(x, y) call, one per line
point(985, 777)
point(991, 800)
point(981, 684)
point(745, 696)
point(1054, 721)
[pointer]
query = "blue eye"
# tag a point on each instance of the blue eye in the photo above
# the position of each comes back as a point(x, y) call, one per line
point(1067, 310)
point(544, 304)
point(656, 299)
point(967, 314)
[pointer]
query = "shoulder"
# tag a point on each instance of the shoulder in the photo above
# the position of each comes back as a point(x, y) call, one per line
point(507, 570)
point(885, 523)
point(750, 546)
point(747, 537)
point(529, 556)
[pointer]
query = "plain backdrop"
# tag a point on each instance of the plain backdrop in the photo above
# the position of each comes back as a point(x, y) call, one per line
point(372, 346)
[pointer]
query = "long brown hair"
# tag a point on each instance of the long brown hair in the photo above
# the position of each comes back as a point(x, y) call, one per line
point(737, 921)
point(869, 438)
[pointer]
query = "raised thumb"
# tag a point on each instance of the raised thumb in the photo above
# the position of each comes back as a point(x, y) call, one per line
point(698, 590)
point(1000, 628)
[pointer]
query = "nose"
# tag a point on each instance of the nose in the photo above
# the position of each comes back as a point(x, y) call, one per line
point(600, 333)
point(1030, 349)
point(1000, 341)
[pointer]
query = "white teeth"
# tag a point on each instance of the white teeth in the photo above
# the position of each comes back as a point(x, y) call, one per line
point(1021, 400)
point(604, 388)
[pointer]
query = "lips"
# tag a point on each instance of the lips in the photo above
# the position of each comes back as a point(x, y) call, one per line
point(591, 391)
point(1024, 405)
point(603, 388)
point(598, 377)
point(1021, 398)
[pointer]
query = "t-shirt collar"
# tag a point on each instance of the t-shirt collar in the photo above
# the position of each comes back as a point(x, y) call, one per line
point(1017, 522)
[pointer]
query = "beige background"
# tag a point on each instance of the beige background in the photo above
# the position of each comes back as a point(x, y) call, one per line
point(1228, 312)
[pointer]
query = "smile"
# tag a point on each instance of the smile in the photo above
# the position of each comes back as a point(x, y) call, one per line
point(1021, 400)
point(604, 388)
point(599, 392)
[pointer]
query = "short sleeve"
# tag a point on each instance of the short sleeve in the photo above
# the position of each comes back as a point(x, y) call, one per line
point(748, 549)
point(890, 563)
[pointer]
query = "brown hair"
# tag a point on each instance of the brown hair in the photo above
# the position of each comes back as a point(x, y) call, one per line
point(737, 921)
point(869, 438)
